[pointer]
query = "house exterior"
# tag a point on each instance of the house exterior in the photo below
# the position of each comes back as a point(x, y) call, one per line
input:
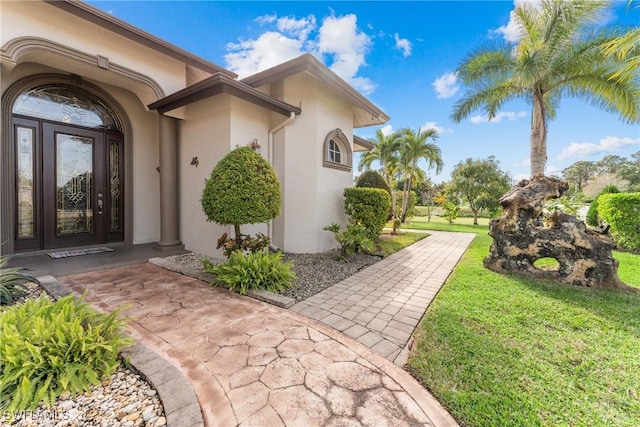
point(108, 134)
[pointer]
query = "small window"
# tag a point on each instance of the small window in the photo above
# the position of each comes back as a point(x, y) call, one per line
point(337, 151)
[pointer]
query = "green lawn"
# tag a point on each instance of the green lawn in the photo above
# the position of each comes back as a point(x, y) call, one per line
point(509, 351)
point(440, 224)
point(390, 243)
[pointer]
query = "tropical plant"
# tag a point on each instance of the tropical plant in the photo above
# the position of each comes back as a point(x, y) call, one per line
point(450, 211)
point(626, 48)
point(558, 55)
point(352, 240)
point(247, 243)
point(47, 348)
point(255, 271)
point(12, 282)
point(243, 189)
point(480, 183)
point(368, 207)
point(592, 214)
point(414, 147)
point(385, 151)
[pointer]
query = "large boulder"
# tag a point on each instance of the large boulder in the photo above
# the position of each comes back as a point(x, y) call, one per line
point(522, 236)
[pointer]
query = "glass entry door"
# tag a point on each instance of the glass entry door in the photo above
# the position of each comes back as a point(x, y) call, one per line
point(74, 186)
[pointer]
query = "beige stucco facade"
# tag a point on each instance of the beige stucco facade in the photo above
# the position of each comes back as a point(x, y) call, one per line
point(180, 115)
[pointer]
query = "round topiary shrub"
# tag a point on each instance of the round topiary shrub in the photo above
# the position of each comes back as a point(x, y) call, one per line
point(368, 207)
point(372, 179)
point(243, 189)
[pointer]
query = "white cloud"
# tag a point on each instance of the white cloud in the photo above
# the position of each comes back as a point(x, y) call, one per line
point(433, 125)
point(446, 85)
point(511, 31)
point(552, 170)
point(387, 130)
point(338, 38)
point(299, 28)
point(586, 149)
point(509, 115)
point(404, 45)
point(270, 49)
point(266, 19)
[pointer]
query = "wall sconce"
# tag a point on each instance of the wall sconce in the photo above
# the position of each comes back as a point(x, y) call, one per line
point(195, 162)
point(255, 146)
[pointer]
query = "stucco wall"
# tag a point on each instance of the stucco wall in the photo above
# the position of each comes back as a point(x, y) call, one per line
point(313, 193)
point(38, 19)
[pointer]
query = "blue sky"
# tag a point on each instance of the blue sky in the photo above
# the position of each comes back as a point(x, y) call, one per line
point(400, 54)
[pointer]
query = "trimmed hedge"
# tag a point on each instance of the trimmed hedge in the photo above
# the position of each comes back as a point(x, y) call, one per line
point(592, 213)
point(372, 179)
point(368, 207)
point(622, 212)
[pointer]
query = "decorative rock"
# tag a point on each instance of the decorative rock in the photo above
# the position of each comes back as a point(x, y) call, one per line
point(520, 238)
point(162, 421)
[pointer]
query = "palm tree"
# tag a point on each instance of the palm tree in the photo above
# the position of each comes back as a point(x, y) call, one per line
point(626, 48)
point(555, 57)
point(414, 148)
point(385, 152)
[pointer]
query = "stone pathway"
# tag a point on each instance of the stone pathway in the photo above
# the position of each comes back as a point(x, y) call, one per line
point(381, 305)
point(251, 363)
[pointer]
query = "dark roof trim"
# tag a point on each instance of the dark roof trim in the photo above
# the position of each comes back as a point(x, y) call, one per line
point(310, 63)
point(118, 26)
point(368, 146)
point(220, 83)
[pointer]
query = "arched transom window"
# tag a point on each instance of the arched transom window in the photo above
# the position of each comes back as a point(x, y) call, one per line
point(337, 151)
point(64, 104)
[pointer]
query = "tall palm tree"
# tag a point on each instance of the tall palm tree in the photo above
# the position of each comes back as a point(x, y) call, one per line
point(555, 57)
point(626, 48)
point(414, 148)
point(386, 152)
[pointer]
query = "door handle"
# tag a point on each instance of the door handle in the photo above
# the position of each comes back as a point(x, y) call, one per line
point(100, 203)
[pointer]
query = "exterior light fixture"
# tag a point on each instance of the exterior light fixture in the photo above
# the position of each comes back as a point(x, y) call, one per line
point(255, 146)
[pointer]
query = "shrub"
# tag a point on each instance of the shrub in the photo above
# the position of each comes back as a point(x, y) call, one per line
point(256, 271)
point(450, 211)
point(368, 207)
point(12, 282)
point(242, 189)
point(247, 243)
point(622, 212)
point(372, 179)
point(592, 213)
point(352, 240)
point(47, 348)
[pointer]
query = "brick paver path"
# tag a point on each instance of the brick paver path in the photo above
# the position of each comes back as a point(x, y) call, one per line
point(251, 363)
point(381, 305)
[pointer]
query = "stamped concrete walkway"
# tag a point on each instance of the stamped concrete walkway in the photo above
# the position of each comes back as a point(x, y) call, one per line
point(251, 363)
point(381, 305)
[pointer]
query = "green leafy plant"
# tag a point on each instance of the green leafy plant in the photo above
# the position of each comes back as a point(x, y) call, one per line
point(243, 189)
point(352, 240)
point(396, 225)
point(12, 282)
point(47, 348)
point(450, 211)
point(592, 214)
point(372, 179)
point(247, 243)
point(367, 207)
point(622, 212)
point(412, 200)
point(255, 271)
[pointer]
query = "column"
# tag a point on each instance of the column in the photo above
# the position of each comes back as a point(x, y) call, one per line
point(168, 182)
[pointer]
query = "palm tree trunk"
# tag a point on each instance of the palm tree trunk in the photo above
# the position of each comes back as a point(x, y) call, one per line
point(538, 153)
point(405, 192)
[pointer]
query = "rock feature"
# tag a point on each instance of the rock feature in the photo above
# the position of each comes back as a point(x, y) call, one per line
point(522, 236)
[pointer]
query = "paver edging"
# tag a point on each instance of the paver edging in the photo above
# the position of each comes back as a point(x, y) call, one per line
point(261, 295)
point(167, 380)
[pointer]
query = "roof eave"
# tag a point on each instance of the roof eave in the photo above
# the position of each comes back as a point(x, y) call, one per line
point(104, 20)
point(362, 143)
point(220, 83)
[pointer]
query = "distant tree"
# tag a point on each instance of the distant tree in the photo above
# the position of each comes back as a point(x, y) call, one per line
point(579, 174)
point(386, 153)
point(559, 54)
point(242, 189)
point(480, 183)
point(428, 192)
point(631, 172)
point(414, 147)
point(609, 164)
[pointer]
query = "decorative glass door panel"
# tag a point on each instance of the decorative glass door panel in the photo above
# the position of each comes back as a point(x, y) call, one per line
point(74, 185)
point(74, 178)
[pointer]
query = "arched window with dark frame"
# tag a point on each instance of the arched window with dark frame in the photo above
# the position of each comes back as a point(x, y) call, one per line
point(337, 151)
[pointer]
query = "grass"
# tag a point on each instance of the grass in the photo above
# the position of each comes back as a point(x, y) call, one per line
point(507, 351)
point(390, 243)
point(440, 224)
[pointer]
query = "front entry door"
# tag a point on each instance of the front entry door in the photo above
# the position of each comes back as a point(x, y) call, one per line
point(74, 186)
